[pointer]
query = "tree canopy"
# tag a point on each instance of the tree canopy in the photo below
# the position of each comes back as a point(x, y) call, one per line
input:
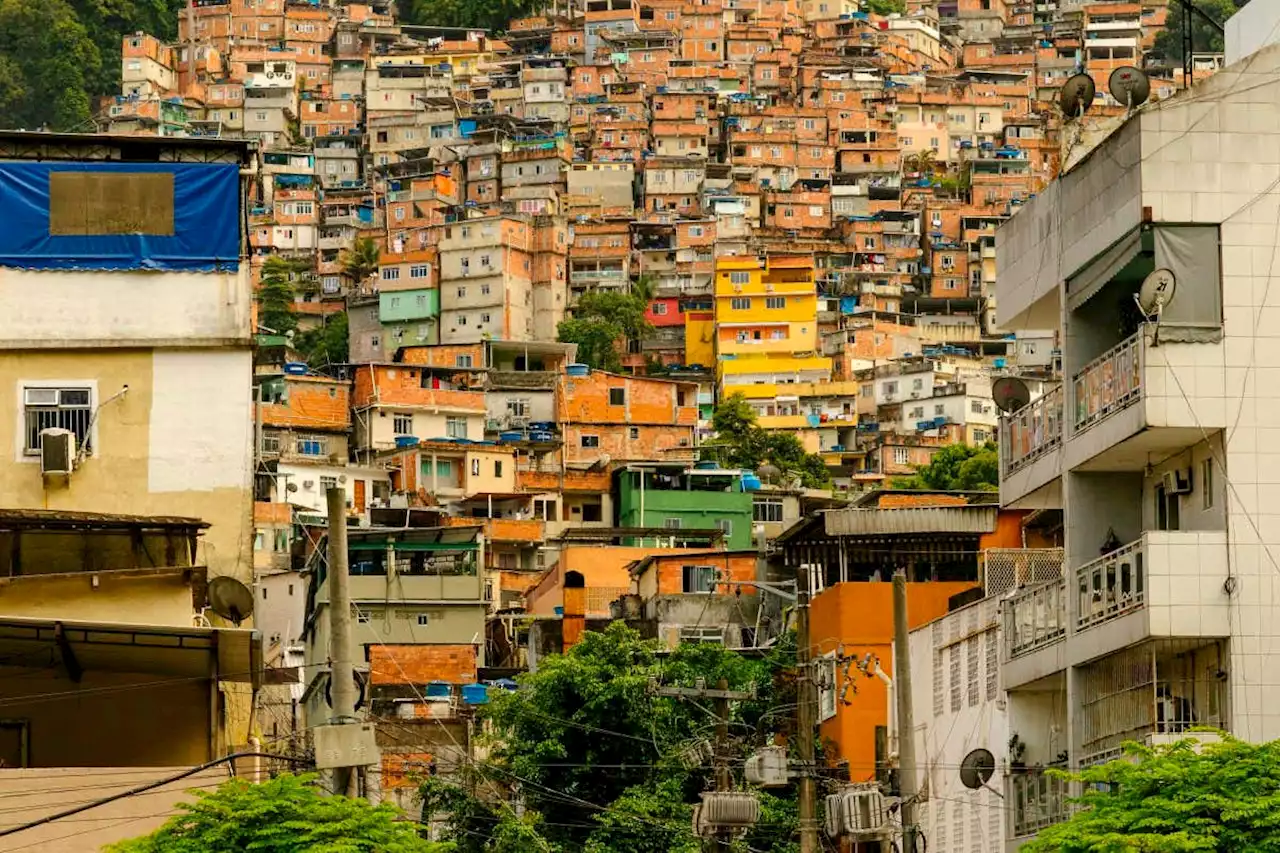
point(1205, 38)
point(740, 442)
point(601, 321)
point(605, 766)
point(957, 467)
point(1221, 798)
point(49, 66)
point(360, 259)
point(493, 15)
point(288, 814)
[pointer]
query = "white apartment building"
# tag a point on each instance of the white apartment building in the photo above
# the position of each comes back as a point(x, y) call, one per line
point(1159, 445)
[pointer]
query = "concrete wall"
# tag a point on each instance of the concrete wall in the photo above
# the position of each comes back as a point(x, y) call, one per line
point(178, 443)
point(157, 599)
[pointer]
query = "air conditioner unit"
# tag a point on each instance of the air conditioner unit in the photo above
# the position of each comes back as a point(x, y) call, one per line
point(57, 452)
point(1177, 482)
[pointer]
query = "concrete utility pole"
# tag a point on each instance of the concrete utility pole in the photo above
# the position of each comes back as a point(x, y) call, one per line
point(341, 672)
point(906, 720)
point(806, 720)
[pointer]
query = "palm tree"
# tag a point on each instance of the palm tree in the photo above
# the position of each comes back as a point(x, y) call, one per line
point(644, 288)
point(925, 162)
point(360, 260)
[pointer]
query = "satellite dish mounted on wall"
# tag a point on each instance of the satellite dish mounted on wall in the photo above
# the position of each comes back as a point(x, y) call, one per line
point(230, 599)
point(1129, 86)
point(1077, 95)
point(977, 768)
point(1156, 292)
point(1010, 393)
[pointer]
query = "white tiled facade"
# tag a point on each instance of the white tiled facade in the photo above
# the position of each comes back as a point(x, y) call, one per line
point(1163, 446)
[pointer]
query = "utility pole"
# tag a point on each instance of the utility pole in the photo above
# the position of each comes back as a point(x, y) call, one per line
point(344, 744)
point(806, 720)
point(906, 720)
point(722, 839)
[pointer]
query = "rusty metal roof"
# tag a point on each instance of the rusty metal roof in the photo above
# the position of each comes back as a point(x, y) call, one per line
point(971, 518)
point(76, 520)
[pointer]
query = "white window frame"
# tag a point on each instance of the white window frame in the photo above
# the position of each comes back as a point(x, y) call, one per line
point(20, 450)
point(828, 686)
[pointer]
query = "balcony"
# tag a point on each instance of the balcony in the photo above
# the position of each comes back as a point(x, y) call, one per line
point(1031, 432)
point(1035, 617)
point(1036, 800)
point(1141, 398)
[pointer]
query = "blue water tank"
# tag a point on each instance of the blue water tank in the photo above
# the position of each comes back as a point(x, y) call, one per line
point(514, 435)
point(577, 369)
point(750, 483)
point(296, 368)
point(439, 690)
point(475, 694)
point(706, 465)
point(406, 441)
point(559, 611)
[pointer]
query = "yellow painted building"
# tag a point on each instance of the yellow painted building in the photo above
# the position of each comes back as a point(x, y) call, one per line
point(766, 324)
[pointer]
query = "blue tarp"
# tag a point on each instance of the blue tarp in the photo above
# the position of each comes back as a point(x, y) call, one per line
point(205, 230)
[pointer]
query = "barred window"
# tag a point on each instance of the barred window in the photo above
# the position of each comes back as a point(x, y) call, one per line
point(993, 665)
point(956, 674)
point(973, 663)
point(56, 408)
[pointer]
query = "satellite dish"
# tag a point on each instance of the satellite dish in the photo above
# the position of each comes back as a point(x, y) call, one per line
point(291, 487)
point(977, 769)
point(230, 599)
point(1129, 86)
point(1010, 394)
point(768, 473)
point(1077, 95)
point(1157, 291)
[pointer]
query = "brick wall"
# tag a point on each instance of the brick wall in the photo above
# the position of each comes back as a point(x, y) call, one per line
point(311, 405)
point(403, 385)
point(422, 664)
point(735, 567)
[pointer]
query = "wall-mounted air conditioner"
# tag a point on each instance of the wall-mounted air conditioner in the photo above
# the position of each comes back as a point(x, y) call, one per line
point(1177, 482)
point(57, 452)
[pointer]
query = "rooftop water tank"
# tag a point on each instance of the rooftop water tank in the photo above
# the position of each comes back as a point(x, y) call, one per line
point(296, 368)
point(577, 369)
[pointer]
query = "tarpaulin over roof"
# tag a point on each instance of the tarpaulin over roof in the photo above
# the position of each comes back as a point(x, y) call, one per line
point(120, 216)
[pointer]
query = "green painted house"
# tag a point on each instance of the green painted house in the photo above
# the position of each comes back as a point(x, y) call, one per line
point(678, 497)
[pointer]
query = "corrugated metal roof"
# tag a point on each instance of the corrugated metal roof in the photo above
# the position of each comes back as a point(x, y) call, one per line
point(35, 518)
point(910, 520)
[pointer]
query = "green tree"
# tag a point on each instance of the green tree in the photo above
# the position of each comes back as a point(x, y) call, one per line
point(47, 64)
point(282, 279)
point(601, 321)
point(1205, 38)
point(327, 344)
point(1221, 798)
point(957, 467)
point(886, 7)
point(360, 259)
point(107, 20)
point(740, 442)
point(602, 762)
point(288, 814)
point(489, 15)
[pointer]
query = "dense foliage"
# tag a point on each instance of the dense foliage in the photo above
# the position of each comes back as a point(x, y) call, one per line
point(1206, 38)
point(57, 56)
point(602, 320)
point(957, 467)
point(288, 814)
point(740, 442)
point(604, 765)
point(494, 15)
point(1224, 798)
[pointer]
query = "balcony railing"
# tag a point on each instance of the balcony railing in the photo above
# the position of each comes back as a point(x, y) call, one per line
point(1032, 431)
point(1035, 617)
point(1038, 801)
point(1111, 586)
point(1109, 383)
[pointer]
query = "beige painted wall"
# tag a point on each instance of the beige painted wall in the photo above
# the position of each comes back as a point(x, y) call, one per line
point(160, 599)
point(178, 443)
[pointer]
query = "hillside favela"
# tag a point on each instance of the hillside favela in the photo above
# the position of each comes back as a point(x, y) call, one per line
point(639, 426)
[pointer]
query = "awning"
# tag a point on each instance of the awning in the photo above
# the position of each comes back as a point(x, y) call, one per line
point(910, 520)
point(1082, 286)
point(227, 654)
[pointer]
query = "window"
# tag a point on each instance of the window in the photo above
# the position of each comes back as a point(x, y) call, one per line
point(740, 303)
point(475, 467)
point(312, 445)
point(775, 302)
point(726, 525)
point(419, 271)
point(659, 309)
point(739, 278)
point(327, 483)
point(455, 427)
point(901, 456)
point(828, 686)
point(591, 441)
point(402, 424)
point(423, 619)
point(444, 468)
point(976, 407)
point(767, 510)
point(56, 408)
point(484, 290)
point(917, 412)
point(698, 578)
point(390, 273)
point(1167, 510)
point(939, 409)
point(1206, 484)
point(617, 396)
point(363, 617)
point(917, 384)
point(672, 523)
point(462, 361)
point(462, 293)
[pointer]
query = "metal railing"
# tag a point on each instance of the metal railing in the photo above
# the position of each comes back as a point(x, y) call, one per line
point(1111, 586)
point(1031, 432)
point(1109, 383)
point(1035, 617)
point(1038, 800)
